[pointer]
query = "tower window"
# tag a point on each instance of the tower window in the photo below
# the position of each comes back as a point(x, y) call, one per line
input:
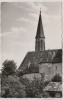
point(38, 45)
point(41, 44)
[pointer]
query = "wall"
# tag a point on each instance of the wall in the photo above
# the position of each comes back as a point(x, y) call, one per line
point(58, 95)
point(47, 69)
point(50, 69)
point(32, 75)
point(57, 68)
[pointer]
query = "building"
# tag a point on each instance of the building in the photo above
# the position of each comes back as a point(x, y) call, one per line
point(41, 60)
point(54, 89)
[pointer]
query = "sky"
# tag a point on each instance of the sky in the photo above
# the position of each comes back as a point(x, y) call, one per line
point(19, 25)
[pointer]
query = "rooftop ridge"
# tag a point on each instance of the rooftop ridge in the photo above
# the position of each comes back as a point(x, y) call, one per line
point(45, 50)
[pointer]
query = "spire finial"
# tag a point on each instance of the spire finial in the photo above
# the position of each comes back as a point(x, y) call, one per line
point(40, 10)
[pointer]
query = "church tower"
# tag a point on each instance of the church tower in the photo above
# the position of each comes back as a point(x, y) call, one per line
point(40, 38)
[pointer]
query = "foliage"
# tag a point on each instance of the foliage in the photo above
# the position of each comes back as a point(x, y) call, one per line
point(9, 67)
point(57, 78)
point(19, 73)
point(43, 95)
point(34, 88)
point(12, 87)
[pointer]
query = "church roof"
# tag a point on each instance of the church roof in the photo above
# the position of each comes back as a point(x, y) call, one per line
point(58, 57)
point(36, 58)
point(40, 31)
point(32, 69)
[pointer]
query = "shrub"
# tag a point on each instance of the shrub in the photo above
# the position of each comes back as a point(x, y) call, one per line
point(12, 87)
point(34, 88)
point(9, 67)
point(57, 78)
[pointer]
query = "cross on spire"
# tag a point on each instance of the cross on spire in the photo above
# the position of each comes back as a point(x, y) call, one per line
point(40, 10)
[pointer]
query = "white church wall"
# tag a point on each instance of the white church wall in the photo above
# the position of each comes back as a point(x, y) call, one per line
point(57, 68)
point(47, 69)
point(32, 75)
point(50, 69)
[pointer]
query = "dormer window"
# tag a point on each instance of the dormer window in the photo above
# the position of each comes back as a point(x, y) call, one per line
point(29, 63)
point(53, 54)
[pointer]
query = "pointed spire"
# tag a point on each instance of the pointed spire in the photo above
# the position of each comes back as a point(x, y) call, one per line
point(40, 10)
point(40, 31)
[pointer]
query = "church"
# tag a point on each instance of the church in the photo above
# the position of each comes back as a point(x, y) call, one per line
point(40, 61)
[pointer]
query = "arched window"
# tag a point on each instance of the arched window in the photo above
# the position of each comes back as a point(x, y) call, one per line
point(38, 45)
point(41, 44)
point(29, 63)
point(56, 69)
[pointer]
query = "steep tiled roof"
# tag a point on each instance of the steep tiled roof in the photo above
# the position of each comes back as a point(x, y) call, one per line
point(53, 86)
point(39, 57)
point(58, 57)
point(32, 69)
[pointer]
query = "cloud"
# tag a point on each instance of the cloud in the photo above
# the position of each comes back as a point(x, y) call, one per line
point(31, 6)
point(8, 39)
point(23, 19)
point(57, 17)
point(0, 16)
point(35, 7)
point(17, 41)
point(27, 20)
point(14, 31)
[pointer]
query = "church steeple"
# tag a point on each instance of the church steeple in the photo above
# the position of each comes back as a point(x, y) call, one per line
point(40, 38)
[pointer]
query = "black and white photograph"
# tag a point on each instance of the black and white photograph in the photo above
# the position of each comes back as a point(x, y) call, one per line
point(31, 50)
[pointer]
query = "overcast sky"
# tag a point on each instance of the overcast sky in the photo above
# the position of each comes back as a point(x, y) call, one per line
point(19, 25)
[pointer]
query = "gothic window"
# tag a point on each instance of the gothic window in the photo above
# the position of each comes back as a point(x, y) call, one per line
point(53, 53)
point(29, 63)
point(38, 45)
point(56, 70)
point(41, 44)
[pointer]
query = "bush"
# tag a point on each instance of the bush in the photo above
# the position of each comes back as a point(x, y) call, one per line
point(19, 73)
point(57, 78)
point(12, 87)
point(34, 88)
point(9, 67)
point(18, 87)
point(43, 95)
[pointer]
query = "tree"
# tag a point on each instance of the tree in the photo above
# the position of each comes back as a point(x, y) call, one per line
point(43, 95)
point(19, 73)
point(9, 67)
point(12, 87)
point(34, 88)
point(57, 78)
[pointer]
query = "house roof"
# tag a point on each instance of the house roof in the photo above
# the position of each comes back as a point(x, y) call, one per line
point(58, 57)
point(53, 86)
point(32, 69)
point(38, 57)
point(40, 31)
